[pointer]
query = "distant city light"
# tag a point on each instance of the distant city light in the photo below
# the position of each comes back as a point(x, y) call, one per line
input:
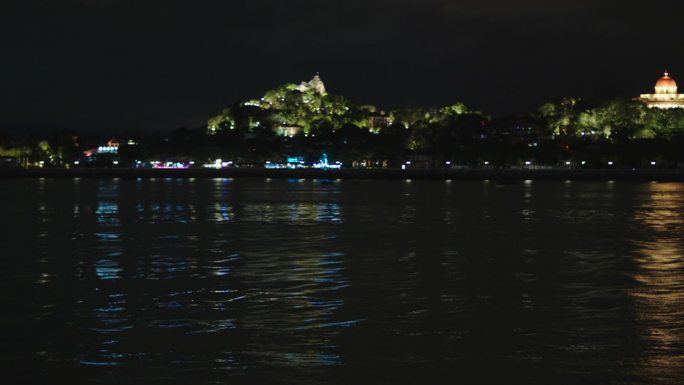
point(217, 164)
point(108, 150)
point(568, 163)
point(169, 165)
point(653, 163)
point(610, 163)
point(527, 163)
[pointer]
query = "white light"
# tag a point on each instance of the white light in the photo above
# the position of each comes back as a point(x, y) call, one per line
point(408, 162)
point(567, 163)
point(584, 162)
point(403, 167)
point(610, 163)
point(448, 163)
point(653, 163)
point(76, 162)
point(115, 162)
point(486, 162)
point(528, 163)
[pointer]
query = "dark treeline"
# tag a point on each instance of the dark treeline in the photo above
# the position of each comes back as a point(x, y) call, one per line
point(306, 122)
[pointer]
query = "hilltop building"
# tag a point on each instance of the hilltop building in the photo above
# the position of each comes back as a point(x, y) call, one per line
point(665, 96)
point(316, 84)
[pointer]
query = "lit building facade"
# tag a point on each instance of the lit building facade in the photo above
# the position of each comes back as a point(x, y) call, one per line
point(665, 96)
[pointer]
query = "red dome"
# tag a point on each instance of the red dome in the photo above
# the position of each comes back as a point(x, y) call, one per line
point(666, 81)
point(666, 85)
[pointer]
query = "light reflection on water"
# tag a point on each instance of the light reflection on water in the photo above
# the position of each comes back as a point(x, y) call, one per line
point(660, 294)
point(345, 282)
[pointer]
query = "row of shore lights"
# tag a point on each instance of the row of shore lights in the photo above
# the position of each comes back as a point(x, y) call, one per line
point(408, 163)
point(527, 163)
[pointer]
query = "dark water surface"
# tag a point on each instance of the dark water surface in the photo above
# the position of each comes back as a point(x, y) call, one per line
point(213, 281)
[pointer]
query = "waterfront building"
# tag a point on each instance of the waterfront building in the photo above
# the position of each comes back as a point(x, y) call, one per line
point(112, 148)
point(665, 96)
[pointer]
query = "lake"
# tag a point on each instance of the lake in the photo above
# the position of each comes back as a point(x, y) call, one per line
point(213, 281)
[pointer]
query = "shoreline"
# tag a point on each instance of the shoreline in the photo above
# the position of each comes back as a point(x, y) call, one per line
point(636, 175)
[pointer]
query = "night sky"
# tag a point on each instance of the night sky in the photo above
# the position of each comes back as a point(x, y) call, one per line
point(116, 65)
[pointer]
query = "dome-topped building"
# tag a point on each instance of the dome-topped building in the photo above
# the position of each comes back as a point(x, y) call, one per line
point(665, 96)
